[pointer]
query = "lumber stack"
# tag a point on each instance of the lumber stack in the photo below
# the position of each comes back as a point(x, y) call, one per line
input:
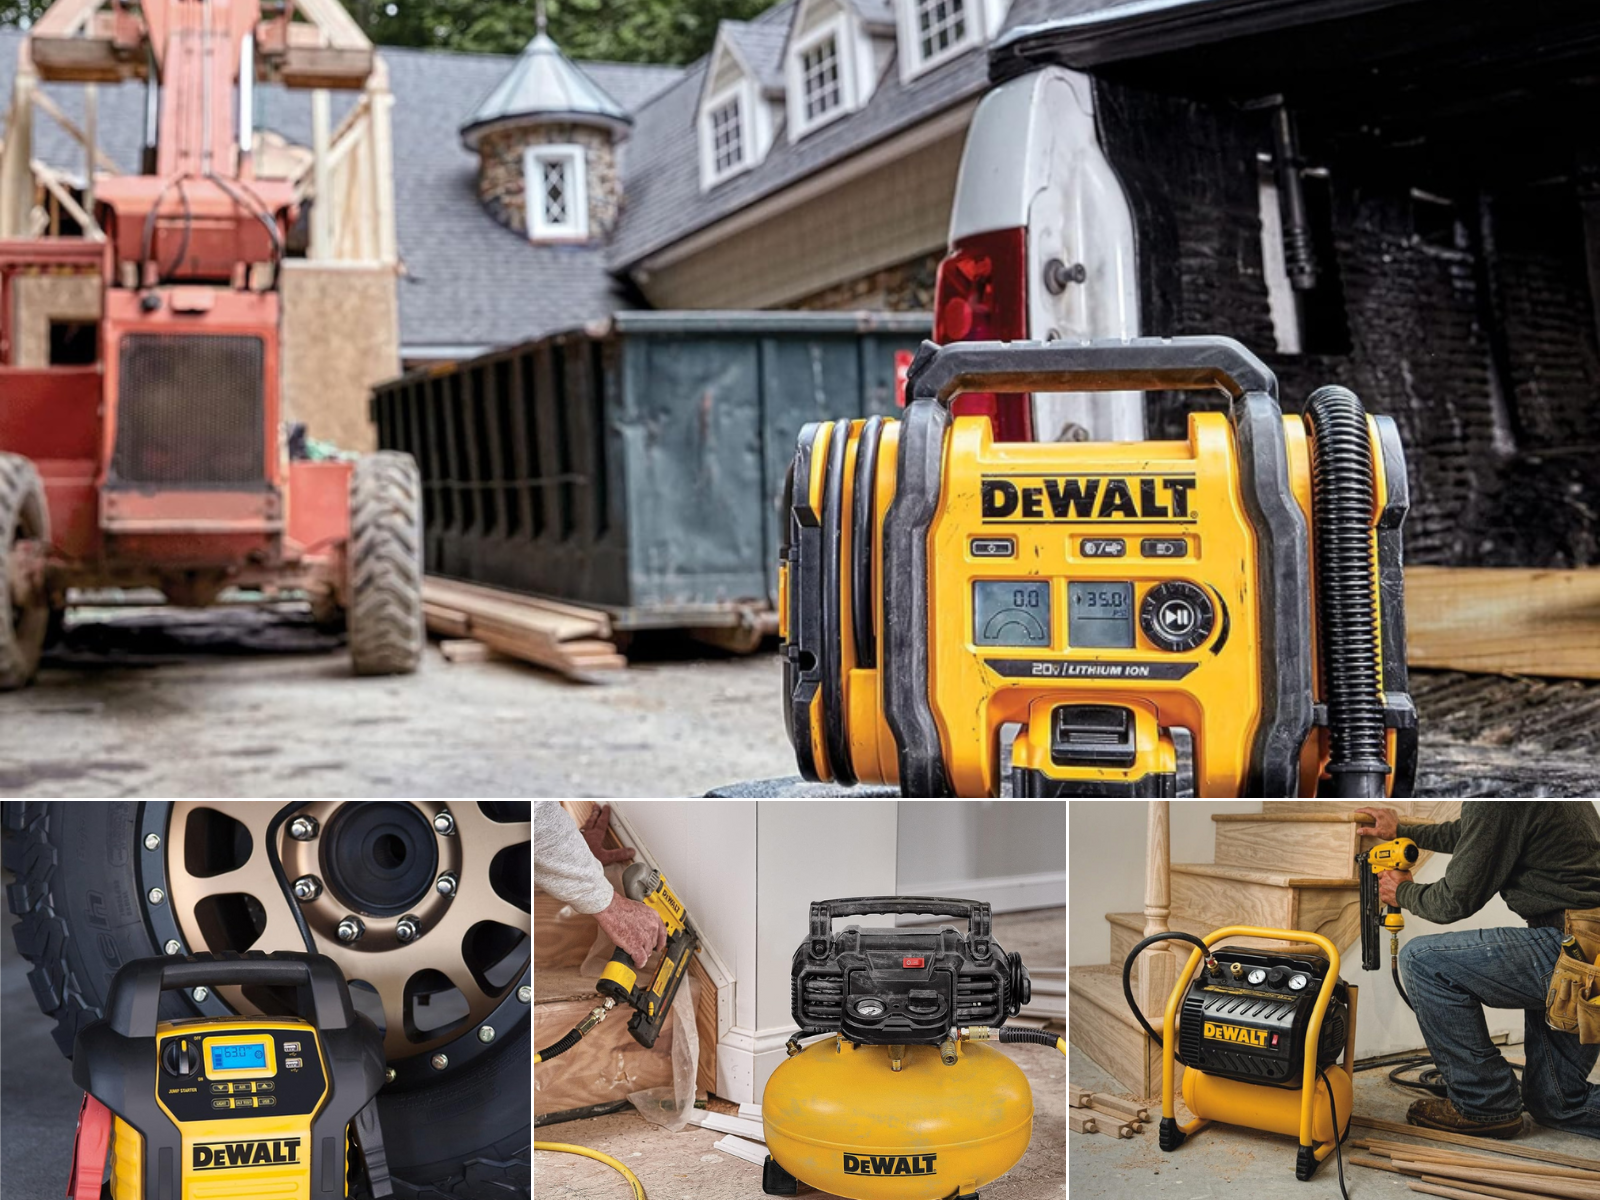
point(568, 638)
point(1098, 1112)
point(1519, 1173)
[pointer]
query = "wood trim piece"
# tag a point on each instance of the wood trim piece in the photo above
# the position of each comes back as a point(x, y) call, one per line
point(1504, 620)
point(1458, 1139)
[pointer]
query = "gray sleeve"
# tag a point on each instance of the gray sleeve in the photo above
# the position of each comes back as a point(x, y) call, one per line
point(562, 862)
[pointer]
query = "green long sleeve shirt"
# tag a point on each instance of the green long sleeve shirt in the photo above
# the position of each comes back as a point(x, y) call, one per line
point(1543, 856)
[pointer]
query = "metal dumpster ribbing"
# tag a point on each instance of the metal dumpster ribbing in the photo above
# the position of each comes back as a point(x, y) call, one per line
point(635, 467)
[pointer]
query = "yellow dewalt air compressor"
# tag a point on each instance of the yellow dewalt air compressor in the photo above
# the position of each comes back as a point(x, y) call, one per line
point(1260, 1034)
point(1217, 616)
point(221, 1107)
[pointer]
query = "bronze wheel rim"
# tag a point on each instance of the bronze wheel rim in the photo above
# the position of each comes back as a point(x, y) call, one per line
point(469, 947)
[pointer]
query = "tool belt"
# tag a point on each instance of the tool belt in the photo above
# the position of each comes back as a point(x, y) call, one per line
point(1572, 1004)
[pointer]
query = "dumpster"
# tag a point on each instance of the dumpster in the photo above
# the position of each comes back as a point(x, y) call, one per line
point(635, 465)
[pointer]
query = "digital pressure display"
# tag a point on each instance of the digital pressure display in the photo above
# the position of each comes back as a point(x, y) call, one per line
point(1100, 616)
point(251, 1056)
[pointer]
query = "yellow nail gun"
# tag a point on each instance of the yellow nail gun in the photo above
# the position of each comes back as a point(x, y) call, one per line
point(620, 982)
point(1397, 854)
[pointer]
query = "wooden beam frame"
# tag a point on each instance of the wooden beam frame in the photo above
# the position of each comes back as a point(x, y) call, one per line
point(1504, 620)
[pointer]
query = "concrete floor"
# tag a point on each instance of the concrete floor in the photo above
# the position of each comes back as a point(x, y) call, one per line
point(241, 702)
point(683, 1166)
point(1226, 1161)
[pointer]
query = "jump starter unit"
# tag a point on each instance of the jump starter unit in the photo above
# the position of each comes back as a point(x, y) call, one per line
point(903, 1103)
point(221, 1107)
point(1217, 616)
point(1260, 1034)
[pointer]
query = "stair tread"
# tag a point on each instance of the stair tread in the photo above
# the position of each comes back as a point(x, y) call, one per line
point(1290, 818)
point(1268, 878)
point(1101, 985)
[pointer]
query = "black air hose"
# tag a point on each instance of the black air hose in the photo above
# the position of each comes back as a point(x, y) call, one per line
point(1341, 514)
point(1030, 1035)
point(1172, 935)
point(572, 1038)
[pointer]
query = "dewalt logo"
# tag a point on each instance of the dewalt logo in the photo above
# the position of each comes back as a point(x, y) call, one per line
point(1159, 498)
point(890, 1164)
point(1234, 1033)
point(268, 1152)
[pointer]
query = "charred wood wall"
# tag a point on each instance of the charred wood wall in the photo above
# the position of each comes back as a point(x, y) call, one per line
point(1465, 309)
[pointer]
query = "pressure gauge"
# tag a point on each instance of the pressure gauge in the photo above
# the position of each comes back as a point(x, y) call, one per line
point(1297, 982)
point(869, 1008)
point(1256, 977)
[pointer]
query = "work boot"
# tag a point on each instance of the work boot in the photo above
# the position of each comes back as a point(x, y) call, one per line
point(1439, 1113)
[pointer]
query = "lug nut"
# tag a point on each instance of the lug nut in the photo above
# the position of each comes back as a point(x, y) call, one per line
point(307, 887)
point(303, 829)
point(444, 823)
point(486, 1034)
point(408, 928)
point(152, 841)
point(440, 1061)
point(351, 929)
point(156, 896)
point(447, 884)
point(388, 1075)
point(525, 993)
point(174, 946)
point(199, 994)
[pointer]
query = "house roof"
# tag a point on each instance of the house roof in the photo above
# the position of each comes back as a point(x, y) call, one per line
point(543, 82)
point(467, 280)
point(759, 46)
point(875, 14)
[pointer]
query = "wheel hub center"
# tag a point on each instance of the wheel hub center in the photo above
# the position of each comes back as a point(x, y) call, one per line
point(381, 858)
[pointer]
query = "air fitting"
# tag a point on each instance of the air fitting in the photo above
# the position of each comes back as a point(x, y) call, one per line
point(897, 1057)
point(947, 1051)
point(595, 1017)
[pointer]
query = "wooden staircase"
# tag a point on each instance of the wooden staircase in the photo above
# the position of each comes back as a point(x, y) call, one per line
point(1291, 866)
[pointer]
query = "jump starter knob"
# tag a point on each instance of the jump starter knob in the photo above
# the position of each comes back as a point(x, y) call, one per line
point(181, 1057)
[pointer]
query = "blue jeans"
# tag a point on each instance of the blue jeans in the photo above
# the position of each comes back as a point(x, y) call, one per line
point(1451, 978)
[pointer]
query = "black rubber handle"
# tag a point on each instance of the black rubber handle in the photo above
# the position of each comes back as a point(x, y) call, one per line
point(320, 992)
point(823, 912)
point(1107, 365)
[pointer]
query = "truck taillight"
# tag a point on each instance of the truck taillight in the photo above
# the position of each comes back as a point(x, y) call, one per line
point(981, 295)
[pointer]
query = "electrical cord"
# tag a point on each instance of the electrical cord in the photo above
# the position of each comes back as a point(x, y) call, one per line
point(1127, 974)
point(1338, 1141)
point(564, 1148)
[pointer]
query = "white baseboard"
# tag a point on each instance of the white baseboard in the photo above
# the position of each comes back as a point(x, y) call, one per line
point(746, 1058)
point(1005, 893)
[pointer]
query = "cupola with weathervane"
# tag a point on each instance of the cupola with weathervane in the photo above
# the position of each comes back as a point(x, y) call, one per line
point(546, 139)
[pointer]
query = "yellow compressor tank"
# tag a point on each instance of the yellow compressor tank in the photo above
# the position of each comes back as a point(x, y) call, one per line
point(839, 1118)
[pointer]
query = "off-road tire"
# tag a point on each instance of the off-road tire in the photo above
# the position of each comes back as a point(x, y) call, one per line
point(23, 515)
point(76, 894)
point(386, 629)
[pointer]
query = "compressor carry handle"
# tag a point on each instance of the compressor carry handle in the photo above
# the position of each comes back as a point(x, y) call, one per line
point(1105, 365)
point(975, 912)
point(320, 992)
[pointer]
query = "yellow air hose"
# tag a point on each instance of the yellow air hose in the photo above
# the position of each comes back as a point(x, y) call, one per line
point(564, 1148)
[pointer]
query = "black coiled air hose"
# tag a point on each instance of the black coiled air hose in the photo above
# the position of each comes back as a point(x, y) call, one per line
point(1127, 975)
point(1347, 619)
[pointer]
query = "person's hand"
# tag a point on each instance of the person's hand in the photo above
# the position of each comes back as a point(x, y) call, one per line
point(635, 927)
point(1389, 886)
point(1385, 823)
point(594, 832)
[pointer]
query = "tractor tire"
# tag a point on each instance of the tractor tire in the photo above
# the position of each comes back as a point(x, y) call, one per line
point(386, 630)
point(77, 896)
point(24, 516)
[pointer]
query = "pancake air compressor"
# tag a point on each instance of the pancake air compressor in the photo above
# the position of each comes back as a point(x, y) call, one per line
point(1217, 616)
point(903, 1102)
point(1260, 1034)
point(222, 1107)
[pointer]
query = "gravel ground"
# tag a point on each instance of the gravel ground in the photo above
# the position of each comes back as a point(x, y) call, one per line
point(254, 702)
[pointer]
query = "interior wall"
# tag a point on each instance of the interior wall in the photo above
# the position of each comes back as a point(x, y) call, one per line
point(1011, 853)
point(707, 848)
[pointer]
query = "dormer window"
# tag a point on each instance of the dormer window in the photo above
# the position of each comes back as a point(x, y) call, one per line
point(557, 197)
point(941, 27)
point(820, 87)
point(726, 131)
point(934, 31)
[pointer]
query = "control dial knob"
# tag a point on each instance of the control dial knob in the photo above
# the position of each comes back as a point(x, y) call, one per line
point(180, 1056)
point(1177, 616)
point(1276, 976)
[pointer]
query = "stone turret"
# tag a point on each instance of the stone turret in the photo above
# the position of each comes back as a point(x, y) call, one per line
point(546, 139)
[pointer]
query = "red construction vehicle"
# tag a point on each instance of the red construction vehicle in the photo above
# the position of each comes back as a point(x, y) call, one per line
point(164, 463)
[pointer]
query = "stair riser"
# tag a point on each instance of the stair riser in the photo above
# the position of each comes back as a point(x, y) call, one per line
point(1219, 902)
point(1323, 850)
point(1123, 1051)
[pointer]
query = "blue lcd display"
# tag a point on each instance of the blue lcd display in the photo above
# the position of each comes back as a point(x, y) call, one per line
point(239, 1056)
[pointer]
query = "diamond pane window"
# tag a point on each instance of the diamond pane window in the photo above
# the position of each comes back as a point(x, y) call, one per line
point(727, 137)
point(558, 200)
point(941, 24)
point(819, 74)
